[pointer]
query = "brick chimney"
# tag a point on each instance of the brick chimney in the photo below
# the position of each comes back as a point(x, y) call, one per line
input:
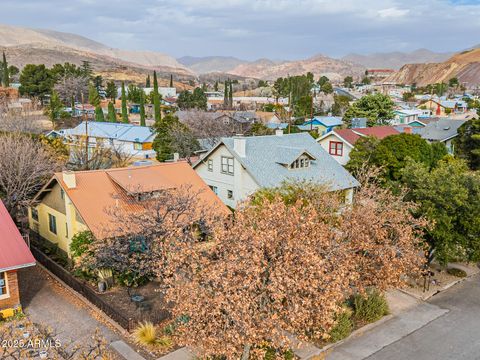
point(69, 179)
point(407, 129)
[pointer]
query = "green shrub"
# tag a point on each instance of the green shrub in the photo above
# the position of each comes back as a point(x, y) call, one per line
point(80, 242)
point(343, 327)
point(371, 307)
point(457, 272)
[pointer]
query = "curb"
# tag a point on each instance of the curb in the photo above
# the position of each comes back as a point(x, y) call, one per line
point(429, 296)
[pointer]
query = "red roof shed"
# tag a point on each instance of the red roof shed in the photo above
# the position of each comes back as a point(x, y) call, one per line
point(14, 252)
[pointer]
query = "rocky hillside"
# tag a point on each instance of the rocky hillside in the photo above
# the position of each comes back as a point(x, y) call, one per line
point(319, 65)
point(24, 46)
point(395, 60)
point(465, 66)
point(210, 64)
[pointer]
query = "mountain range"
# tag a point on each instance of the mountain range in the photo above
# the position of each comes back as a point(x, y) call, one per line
point(40, 46)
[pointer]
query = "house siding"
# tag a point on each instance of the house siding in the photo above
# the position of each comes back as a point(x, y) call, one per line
point(343, 159)
point(242, 184)
point(67, 217)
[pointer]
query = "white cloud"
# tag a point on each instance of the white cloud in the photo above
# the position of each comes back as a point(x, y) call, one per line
point(259, 28)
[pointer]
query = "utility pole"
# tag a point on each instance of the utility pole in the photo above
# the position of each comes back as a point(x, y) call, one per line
point(311, 112)
point(86, 133)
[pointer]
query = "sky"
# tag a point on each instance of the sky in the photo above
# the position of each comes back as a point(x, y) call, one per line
point(252, 29)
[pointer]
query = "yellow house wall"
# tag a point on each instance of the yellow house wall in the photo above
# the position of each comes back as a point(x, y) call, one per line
point(63, 220)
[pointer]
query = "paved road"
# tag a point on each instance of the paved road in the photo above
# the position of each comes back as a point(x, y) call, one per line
point(455, 335)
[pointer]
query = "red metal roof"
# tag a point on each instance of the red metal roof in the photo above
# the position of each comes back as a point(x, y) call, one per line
point(348, 135)
point(379, 132)
point(14, 252)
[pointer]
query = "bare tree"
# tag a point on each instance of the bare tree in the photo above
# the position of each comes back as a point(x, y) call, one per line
point(72, 86)
point(206, 126)
point(25, 165)
point(98, 157)
point(184, 141)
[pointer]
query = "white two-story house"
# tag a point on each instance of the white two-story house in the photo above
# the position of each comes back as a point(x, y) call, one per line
point(238, 166)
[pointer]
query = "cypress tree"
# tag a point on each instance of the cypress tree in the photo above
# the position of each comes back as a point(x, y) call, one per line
point(6, 77)
point(142, 110)
point(72, 104)
point(171, 80)
point(124, 105)
point(99, 114)
point(230, 96)
point(225, 94)
point(156, 98)
point(112, 117)
point(147, 82)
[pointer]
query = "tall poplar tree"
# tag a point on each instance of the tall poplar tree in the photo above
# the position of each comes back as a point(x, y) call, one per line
point(124, 105)
point(6, 76)
point(99, 114)
point(171, 80)
point(225, 94)
point(156, 98)
point(147, 82)
point(112, 117)
point(142, 110)
point(230, 96)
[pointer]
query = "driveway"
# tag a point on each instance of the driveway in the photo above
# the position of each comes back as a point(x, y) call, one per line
point(48, 303)
point(444, 328)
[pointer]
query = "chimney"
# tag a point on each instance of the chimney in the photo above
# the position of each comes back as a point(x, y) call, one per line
point(279, 132)
point(176, 157)
point(239, 144)
point(69, 179)
point(407, 129)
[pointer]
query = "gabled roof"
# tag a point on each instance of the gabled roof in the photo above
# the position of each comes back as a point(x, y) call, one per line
point(99, 190)
point(441, 130)
point(325, 121)
point(379, 132)
point(348, 135)
point(286, 155)
point(109, 130)
point(263, 154)
point(14, 252)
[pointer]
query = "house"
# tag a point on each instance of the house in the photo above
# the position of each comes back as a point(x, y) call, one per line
point(165, 92)
point(14, 255)
point(444, 107)
point(443, 130)
point(406, 116)
point(128, 138)
point(339, 142)
point(72, 202)
point(323, 124)
point(238, 166)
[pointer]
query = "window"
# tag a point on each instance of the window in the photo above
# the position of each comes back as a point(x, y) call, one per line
point(62, 194)
point(301, 162)
point(52, 223)
point(227, 165)
point(336, 148)
point(214, 189)
point(230, 194)
point(3, 285)
point(66, 230)
point(137, 146)
point(210, 164)
point(34, 214)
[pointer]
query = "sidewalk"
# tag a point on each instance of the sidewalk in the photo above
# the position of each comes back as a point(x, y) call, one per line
point(409, 315)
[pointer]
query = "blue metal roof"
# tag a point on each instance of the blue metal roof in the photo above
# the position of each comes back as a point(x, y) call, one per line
point(115, 131)
point(326, 121)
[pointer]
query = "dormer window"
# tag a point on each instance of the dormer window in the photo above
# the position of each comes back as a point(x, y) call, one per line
point(302, 162)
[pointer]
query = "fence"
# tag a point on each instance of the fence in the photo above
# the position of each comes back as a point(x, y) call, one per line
point(83, 289)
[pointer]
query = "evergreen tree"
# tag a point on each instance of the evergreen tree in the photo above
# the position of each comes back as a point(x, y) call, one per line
point(147, 82)
point(54, 109)
point(72, 104)
point(171, 80)
point(142, 110)
point(112, 117)
point(156, 98)
point(215, 87)
point(124, 105)
point(5, 76)
point(225, 94)
point(93, 97)
point(86, 69)
point(111, 90)
point(99, 114)
point(230, 96)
